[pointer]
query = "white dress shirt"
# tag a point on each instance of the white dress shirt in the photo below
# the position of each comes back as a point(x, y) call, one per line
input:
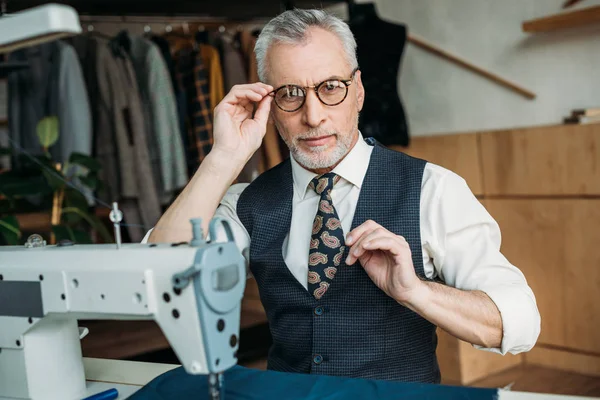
point(459, 238)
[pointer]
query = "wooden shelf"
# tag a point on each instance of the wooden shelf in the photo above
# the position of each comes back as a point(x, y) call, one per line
point(572, 19)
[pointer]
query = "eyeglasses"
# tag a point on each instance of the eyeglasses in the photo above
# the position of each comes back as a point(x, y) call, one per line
point(331, 92)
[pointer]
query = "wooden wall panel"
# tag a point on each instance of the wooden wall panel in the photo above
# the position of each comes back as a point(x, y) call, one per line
point(477, 364)
point(448, 354)
point(458, 153)
point(536, 238)
point(582, 280)
point(462, 364)
point(555, 242)
point(552, 160)
point(565, 360)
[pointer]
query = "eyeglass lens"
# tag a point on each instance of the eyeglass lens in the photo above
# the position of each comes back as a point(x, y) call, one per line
point(292, 97)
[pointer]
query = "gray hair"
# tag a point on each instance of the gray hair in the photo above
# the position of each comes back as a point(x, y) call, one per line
point(291, 27)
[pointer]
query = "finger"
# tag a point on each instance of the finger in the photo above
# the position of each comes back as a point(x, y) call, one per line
point(359, 248)
point(357, 232)
point(262, 87)
point(386, 243)
point(262, 111)
point(355, 249)
point(266, 86)
point(236, 96)
point(239, 92)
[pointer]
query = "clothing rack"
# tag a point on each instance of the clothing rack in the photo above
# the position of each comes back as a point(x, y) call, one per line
point(238, 9)
point(162, 25)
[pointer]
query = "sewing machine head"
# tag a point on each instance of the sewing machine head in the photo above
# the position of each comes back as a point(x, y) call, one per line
point(192, 291)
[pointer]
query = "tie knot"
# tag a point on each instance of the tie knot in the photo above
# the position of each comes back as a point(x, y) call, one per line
point(324, 183)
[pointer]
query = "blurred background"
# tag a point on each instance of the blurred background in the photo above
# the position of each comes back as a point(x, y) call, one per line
point(506, 94)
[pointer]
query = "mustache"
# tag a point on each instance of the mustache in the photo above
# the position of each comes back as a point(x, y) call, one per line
point(314, 133)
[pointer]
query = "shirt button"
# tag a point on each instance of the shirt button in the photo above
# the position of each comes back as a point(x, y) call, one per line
point(318, 359)
point(319, 310)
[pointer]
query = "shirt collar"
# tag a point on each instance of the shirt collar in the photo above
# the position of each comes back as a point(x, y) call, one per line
point(352, 168)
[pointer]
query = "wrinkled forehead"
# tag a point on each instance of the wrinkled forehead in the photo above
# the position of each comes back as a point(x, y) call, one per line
point(319, 57)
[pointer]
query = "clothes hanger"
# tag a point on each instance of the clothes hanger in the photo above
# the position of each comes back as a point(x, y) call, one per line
point(201, 36)
point(362, 11)
point(121, 43)
point(92, 32)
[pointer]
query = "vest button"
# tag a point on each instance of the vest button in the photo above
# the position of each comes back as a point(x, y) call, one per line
point(318, 310)
point(318, 359)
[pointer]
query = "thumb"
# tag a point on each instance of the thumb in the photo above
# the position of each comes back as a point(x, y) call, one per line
point(262, 111)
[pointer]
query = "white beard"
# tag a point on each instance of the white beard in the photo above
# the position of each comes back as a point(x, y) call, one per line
point(318, 157)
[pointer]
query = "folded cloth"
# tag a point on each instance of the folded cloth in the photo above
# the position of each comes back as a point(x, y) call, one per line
point(251, 384)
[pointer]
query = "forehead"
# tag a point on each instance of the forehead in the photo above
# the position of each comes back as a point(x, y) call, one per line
point(320, 57)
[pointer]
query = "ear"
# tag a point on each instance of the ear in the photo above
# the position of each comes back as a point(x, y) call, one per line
point(360, 90)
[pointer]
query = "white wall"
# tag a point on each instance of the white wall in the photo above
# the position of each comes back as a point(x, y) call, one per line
point(562, 68)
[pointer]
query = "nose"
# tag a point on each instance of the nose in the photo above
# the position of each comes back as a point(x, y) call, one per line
point(314, 113)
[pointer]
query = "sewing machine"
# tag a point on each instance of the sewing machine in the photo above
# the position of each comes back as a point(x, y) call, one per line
point(193, 291)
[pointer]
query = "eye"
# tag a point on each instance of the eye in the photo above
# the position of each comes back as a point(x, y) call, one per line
point(331, 86)
point(290, 92)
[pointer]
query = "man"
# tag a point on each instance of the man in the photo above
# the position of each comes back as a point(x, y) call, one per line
point(359, 252)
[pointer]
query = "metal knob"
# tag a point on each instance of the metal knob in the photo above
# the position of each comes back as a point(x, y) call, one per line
point(197, 232)
point(35, 240)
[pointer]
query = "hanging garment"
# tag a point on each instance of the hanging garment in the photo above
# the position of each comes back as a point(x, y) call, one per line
point(165, 49)
point(120, 140)
point(382, 116)
point(162, 121)
point(212, 63)
point(192, 78)
point(270, 152)
point(5, 162)
point(234, 68)
point(53, 85)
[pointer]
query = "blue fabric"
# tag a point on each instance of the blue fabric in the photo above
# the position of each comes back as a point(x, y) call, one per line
point(355, 330)
point(251, 384)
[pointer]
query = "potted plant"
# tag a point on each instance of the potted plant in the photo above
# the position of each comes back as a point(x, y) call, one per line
point(39, 184)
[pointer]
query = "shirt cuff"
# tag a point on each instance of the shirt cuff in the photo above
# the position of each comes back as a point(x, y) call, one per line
point(520, 319)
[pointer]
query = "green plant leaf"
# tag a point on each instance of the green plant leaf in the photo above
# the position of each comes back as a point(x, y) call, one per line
point(56, 180)
point(86, 161)
point(91, 180)
point(13, 184)
point(5, 151)
point(63, 232)
point(28, 163)
point(91, 219)
point(9, 229)
point(47, 131)
point(7, 205)
point(74, 199)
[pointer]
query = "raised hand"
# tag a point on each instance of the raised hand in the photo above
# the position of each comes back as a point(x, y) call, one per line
point(386, 258)
point(237, 133)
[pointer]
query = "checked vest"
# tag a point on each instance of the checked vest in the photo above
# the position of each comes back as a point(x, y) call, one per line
point(354, 329)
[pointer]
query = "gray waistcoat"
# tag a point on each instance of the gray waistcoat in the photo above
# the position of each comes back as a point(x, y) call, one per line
point(355, 330)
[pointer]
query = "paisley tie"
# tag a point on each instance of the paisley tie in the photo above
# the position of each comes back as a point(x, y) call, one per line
point(327, 240)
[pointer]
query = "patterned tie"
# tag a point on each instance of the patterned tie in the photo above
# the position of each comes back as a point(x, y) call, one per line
point(327, 241)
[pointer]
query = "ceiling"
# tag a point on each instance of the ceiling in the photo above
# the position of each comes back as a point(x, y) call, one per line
point(233, 9)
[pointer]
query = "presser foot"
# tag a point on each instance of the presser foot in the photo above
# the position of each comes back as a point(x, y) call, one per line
point(215, 387)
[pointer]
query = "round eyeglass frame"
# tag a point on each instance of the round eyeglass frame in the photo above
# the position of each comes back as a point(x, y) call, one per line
point(346, 82)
